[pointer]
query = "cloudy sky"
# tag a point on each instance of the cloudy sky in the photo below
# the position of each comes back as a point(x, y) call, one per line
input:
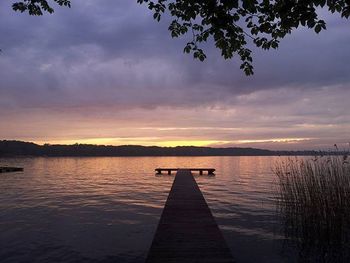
point(105, 72)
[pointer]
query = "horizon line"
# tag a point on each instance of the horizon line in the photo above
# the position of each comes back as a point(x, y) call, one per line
point(177, 146)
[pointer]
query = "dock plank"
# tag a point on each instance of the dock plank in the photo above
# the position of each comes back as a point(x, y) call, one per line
point(7, 169)
point(187, 231)
point(210, 171)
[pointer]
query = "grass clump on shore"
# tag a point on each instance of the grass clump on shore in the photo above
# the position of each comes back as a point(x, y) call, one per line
point(314, 203)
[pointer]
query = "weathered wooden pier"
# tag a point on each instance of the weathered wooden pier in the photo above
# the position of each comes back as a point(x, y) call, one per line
point(187, 231)
point(210, 171)
point(10, 169)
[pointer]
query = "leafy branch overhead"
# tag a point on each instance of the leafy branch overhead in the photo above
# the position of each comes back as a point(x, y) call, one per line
point(37, 7)
point(232, 24)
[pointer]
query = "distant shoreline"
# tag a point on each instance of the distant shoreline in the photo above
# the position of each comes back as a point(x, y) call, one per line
point(28, 149)
point(155, 156)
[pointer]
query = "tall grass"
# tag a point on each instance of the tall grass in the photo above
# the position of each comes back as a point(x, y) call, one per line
point(314, 202)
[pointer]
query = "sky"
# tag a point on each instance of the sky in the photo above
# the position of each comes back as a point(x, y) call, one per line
point(104, 72)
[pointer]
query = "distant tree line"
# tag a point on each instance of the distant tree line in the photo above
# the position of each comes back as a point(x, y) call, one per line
point(20, 148)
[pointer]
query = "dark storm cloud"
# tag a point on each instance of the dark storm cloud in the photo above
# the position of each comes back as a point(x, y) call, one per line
point(113, 52)
point(101, 59)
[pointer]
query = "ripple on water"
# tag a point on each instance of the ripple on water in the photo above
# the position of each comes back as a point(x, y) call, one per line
point(107, 209)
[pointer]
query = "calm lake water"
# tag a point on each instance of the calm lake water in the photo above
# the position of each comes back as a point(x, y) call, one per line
point(107, 209)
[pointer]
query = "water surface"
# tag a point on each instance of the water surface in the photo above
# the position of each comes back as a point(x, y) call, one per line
point(107, 209)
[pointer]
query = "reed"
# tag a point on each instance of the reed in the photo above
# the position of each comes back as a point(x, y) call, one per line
point(314, 202)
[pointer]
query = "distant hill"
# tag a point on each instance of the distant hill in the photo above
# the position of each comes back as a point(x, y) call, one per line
point(20, 148)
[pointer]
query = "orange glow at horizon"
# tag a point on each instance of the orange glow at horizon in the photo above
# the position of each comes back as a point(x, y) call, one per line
point(274, 140)
point(145, 141)
point(158, 141)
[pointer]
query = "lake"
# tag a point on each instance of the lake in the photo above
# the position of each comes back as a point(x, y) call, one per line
point(106, 209)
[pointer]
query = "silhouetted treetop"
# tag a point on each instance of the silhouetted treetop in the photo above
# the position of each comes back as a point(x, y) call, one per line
point(20, 148)
point(231, 24)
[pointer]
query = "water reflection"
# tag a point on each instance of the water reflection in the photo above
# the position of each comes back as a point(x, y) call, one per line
point(80, 210)
point(107, 209)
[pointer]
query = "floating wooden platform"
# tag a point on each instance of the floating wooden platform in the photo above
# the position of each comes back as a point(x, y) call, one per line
point(200, 170)
point(10, 169)
point(187, 231)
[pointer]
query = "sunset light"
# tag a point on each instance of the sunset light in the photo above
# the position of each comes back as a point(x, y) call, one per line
point(170, 131)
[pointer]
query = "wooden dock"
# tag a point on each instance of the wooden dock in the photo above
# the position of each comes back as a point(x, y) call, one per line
point(210, 171)
point(10, 169)
point(187, 231)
